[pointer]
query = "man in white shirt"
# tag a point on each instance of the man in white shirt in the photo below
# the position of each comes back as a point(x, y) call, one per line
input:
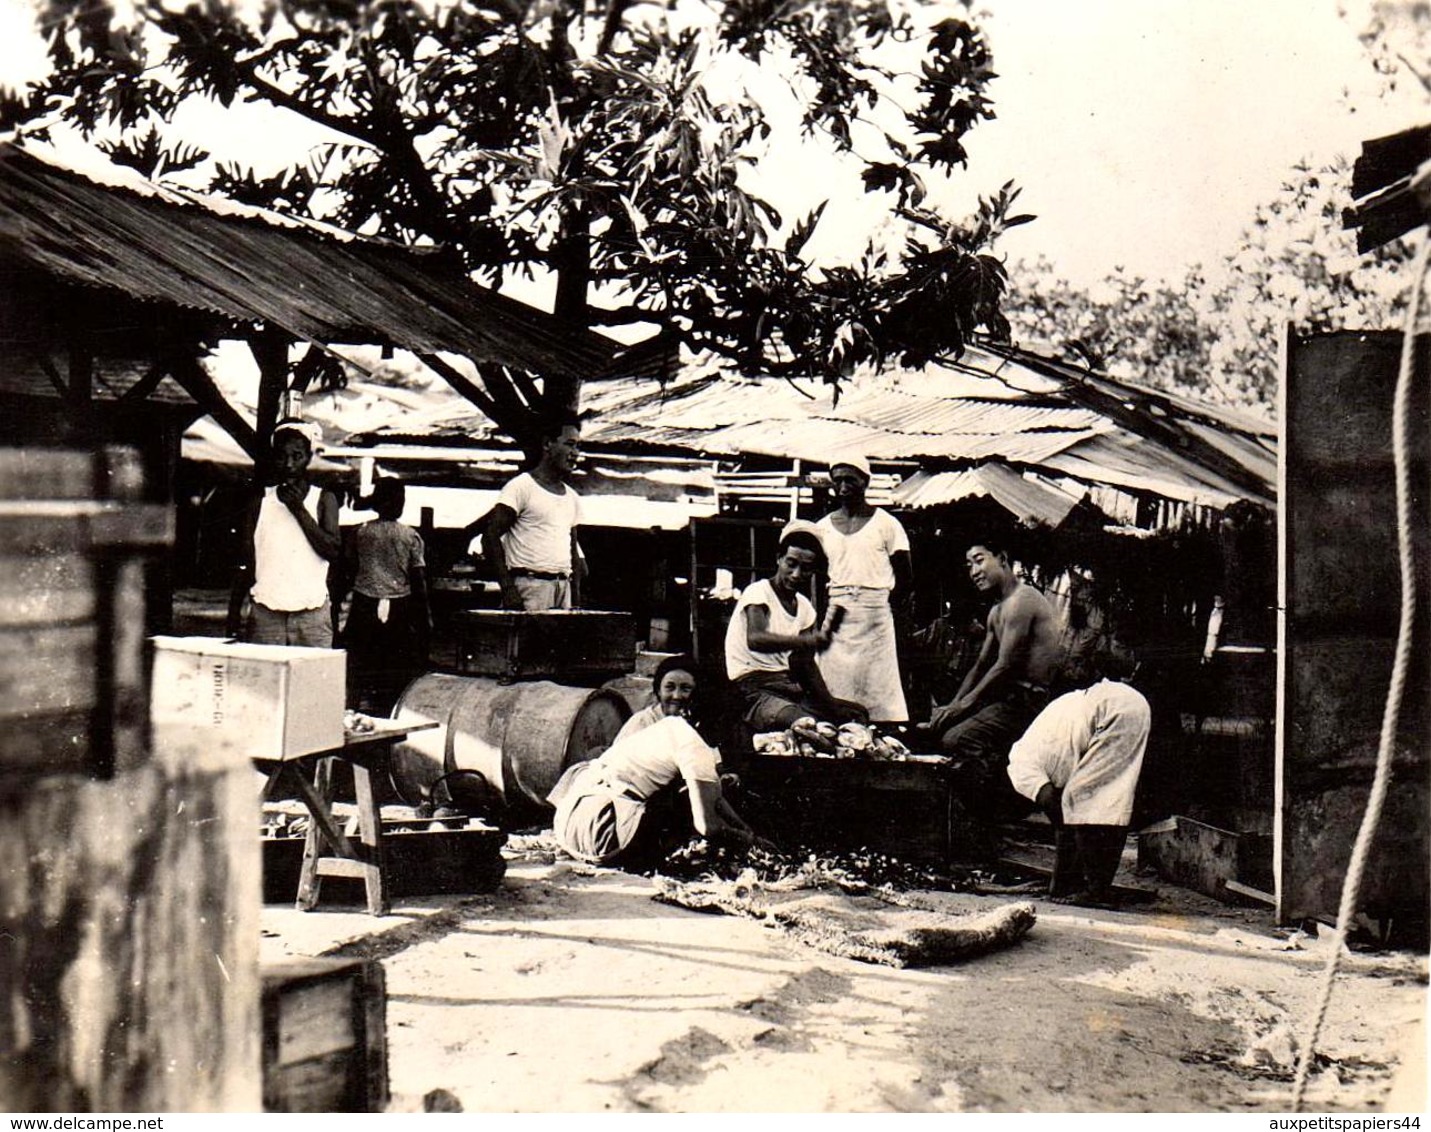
point(771, 642)
point(868, 554)
point(1079, 761)
point(607, 811)
point(531, 534)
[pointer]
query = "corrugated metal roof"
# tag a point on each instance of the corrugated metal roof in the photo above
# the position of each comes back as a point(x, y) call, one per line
point(1136, 464)
point(1035, 417)
point(1247, 451)
point(163, 248)
point(1028, 499)
point(771, 417)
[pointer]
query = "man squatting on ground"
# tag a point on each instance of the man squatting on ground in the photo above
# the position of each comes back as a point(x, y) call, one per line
point(618, 808)
point(291, 535)
point(1008, 684)
point(1079, 761)
point(869, 573)
point(772, 639)
point(531, 535)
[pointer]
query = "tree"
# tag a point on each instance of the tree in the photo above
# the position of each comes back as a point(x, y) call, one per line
point(1130, 327)
point(1216, 332)
point(610, 142)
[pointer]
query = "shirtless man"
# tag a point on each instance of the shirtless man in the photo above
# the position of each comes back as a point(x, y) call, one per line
point(1008, 684)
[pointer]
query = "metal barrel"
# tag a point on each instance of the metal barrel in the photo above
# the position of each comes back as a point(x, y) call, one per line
point(518, 737)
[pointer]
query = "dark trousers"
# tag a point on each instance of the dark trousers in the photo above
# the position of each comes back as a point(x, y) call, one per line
point(979, 745)
point(383, 656)
point(1086, 858)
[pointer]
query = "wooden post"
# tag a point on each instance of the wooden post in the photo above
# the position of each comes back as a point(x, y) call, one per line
point(129, 903)
point(270, 351)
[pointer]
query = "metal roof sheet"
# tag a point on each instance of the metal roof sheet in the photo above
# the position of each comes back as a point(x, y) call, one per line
point(1135, 464)
point(163, 248)
point(1038, 420)
point(1028, 499)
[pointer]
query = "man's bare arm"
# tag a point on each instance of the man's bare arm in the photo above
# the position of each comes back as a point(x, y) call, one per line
point(502, 520)
point(760, 639)
point(322, 533)
point(1011, 663)
point(987, 654)
point(578, 571)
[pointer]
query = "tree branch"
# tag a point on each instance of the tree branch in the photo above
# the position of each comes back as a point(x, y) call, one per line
point(282, 99)
point(612, 24)
point(474, 393)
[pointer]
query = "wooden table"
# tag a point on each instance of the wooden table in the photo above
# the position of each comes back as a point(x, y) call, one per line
point(328, 851)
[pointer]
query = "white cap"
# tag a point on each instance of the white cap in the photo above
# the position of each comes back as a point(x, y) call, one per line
point(309, 430)
point(859, 463)
point(801, 526)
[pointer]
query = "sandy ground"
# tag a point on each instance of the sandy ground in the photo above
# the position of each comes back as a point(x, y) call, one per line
point(570, 989)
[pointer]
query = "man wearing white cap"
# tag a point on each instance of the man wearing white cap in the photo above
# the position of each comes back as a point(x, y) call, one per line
point(869, 569)
point(292, 536)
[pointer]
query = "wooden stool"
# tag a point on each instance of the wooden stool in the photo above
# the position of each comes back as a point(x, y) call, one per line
point(364, 860)
point(327, 850)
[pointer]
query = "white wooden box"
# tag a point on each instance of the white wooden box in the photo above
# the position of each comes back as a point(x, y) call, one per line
point(264, 701)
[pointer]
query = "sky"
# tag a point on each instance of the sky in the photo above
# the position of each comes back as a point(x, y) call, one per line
point(1143, 132)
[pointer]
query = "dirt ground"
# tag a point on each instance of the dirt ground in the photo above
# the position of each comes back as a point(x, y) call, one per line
point(571, 989)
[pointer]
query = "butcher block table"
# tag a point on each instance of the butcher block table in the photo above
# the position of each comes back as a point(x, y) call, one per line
point(328, 851)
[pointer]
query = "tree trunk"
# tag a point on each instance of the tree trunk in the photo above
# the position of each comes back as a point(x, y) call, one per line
point(562, 393)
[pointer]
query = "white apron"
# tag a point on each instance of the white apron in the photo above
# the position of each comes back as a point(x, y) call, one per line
point(862, 662)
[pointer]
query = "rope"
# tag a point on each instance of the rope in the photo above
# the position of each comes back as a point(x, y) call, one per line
point(1362, 848)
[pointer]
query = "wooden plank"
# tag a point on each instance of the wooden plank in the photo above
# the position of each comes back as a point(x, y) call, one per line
point(325, 1036)
point(373, 1003)
point(135, 526)
point(45, 473)
point(316, 1019)
point(341, 867)
point(324, 1084)
point(142, 388)
point(47, 670)
point(140, 993)
point(1341, 593)
point(51, 743)
point(200, 386)
point(370, 829)
point(1237, 888)
point(37, 590)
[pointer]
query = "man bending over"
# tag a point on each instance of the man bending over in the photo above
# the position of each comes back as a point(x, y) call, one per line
point(1079, 762)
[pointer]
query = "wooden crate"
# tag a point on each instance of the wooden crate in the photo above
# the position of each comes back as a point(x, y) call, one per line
point(324, 1036)
point(74, 536)
point(907, 809)
point(573, 646)
point(419, 863)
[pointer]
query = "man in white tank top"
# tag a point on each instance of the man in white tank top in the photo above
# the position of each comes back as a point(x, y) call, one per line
point(292, 536)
